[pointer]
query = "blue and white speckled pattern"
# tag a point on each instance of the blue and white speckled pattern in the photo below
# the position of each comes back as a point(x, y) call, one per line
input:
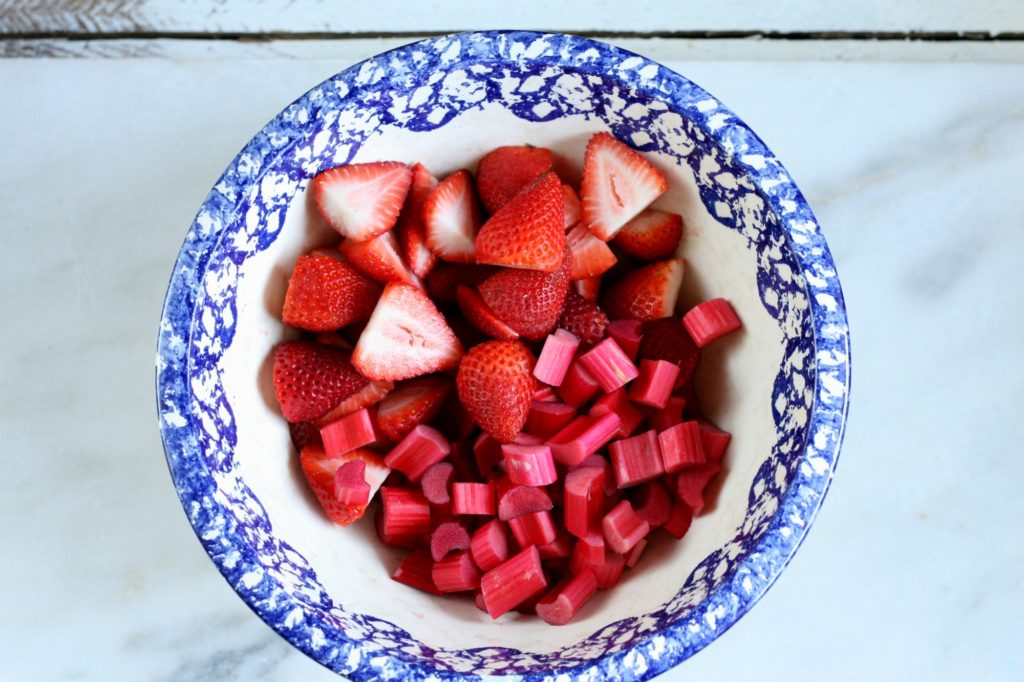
point(421, 87)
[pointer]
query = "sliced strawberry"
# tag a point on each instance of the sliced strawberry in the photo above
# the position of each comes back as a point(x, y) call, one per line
point(528, 301)
point(480, 316)
point(666, 339)
point(446, 277)
point(362, 200)
point(618, 183)
point(573, 210)
point(412, 403)
point(505, 171)
point(528, 232)
point(591, 257)
point(589, 288)
point(583, 318)
point(411, 229)
point(451, 217)
point(326, 293)
point(647, 293)
point(406, 337)
point(495, 384)
point(310, 379)
point(319, 471)
point(652, 235)
point(370, 394)
point(379, 259)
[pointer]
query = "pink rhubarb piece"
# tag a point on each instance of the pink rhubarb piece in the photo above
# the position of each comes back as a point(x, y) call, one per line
point(555, 357)
point(637, 459)
point(609, 366)
point(529, 464)
point(414, 454)
point(654, 385)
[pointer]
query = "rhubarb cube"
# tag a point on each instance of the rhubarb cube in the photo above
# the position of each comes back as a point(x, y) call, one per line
point(519, 500)
point(487, 451)
point(668, 416)
point(637, 459)
point(618, 402)
point(350, 486)
point(530, 465)
point(584, 499)
point(436, 483)
point(416, 570)
point(692, 483)
point(555, 357)
point(710, 320)
point(473, 499)
point(535, 528)
point(681, 446)
point(561, 604)
point(623, 528)
point(609, 366)
point(548, 418)
point(627, 334)
point(679, 520)
point(583, 437)
point(654, 384)
point(653, 503)
point(559, 548)
point(456, 573)
point(578, 386)
point(489, 545)
point(352, 431)
point(634, 554)
point(714, 441)
point(513, 582)
point(414, 454)
point(448, 537)
point(406, 513)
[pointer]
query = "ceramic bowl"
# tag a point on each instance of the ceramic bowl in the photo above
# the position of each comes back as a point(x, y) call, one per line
point(780, 386)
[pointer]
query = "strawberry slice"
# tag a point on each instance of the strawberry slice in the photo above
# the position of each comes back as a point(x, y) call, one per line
point(446, 277)
point(370, 394)
point(528, 232)
point(326, 293)
point(452, 218)
point(647, 293)
point(406, 337)
point(411, 229)
point(495, 384)
point(319, 470)
point(362, 200)
point(618, 183)
point(573, 210)
point(412, 403)
point(480, 316)
point(583, 318)
point(652, 235)
point(529, 302)
point(591, 257)
point(507, 170)
point(310, 379)
point(378, 258)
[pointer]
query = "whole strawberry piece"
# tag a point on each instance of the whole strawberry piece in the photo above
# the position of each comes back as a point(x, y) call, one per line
point(647, 293)
point(583, 318)
point(406, 337)
point(362, 200)
point(618, 183)
point(410, 229)
point(529, 302)
point(529, 231)
point(320, 471)
point(311, 378)
point(495, 385)
point(326, 293)
point(652, 235)
point(412, 403)
point(506, 170)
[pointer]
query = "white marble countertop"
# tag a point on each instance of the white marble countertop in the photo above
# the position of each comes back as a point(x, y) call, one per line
point(910, 155)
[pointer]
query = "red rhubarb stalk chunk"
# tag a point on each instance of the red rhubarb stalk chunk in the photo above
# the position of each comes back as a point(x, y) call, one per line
point(535, 528)
point(555, 357)
point(406, 513)
point(583, 437)
point(564, 601)
point(446, 538)
point(578, 386)
point(711, 320)
point(489, 545)
point(513, 582)
point(421, 448)
point(350, 486)
point(529, 464)
point(627, 334)
point(654, 385)
point(637, 459)
point(416, 570)
point(473, 499)
point(609, 365)
point(584, 499)
point(546, 418)
point(522, 499)
point(668, 416)
point(436, 483)
point(348, 433)
point(618, 402)
point(456, 573)
point(623, 528)
point(681, 446)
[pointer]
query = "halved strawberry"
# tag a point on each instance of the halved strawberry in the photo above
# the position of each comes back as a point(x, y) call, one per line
point(370, 394)
point(451, 217)
point(378, 258)
point(528, 232)
point(326, 293)
point(647, 293)
point(411, 229)
point(412, 403)
point(618, 183)
point(652, 235)
point(444, 279)
point(480, 316)
point(362, 200)
point(573, 210)
point(583, 318)
point(310, 379)
point(591, 257)
point(529, 302)
point(319, 470)
point(405, 337)
point(505, 171)
point(495, 384)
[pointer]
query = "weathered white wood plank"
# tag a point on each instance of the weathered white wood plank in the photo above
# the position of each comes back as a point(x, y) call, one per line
point(400, 16)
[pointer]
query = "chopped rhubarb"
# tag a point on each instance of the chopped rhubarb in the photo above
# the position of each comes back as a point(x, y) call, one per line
point(591, 548)
point(448, 537)
point(563, 602)
point(714, 440)
point(668, 416)
point(559, 548)
point(462, 459)
point(545, 394)
point(525, 438)
point(473, 499)
point(530, 465)
point(584, 498)
point(350, 486)
point(609, 366)
point(578, 386)
point(607, 572)
point(583, 437)
point(654, 385)
point(421, 448)
point(436, 483)
point(711, 320)
point(548, 418)
point(489, 545)
point(393, 539)
point(681, 446)
point(555, 357)
point(637, 459)
point(623, 528)
point(520, 499)
point(618, 402)
point(406, 513)
point(416, 571)
point(627, 334)
point(653, 503)
point(456, 573)
point(679, 520)
point(352, 431)
point(634, 554)
point(691, 484)
point(513, 582)
point(535, 528)
point(487, 451)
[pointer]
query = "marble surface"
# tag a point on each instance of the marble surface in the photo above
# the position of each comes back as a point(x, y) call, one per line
point(912, 570)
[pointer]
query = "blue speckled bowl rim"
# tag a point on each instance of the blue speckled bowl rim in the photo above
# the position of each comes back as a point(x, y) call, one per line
point(774, 186)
